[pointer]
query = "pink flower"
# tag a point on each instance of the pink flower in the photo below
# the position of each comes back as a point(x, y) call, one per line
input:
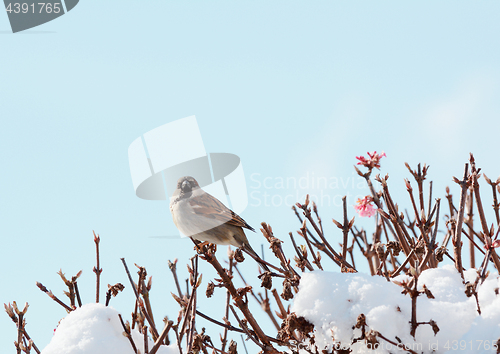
point(365, 207)
point(373, 161)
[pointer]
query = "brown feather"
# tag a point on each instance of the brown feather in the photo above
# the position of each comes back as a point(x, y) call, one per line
point(210, 207)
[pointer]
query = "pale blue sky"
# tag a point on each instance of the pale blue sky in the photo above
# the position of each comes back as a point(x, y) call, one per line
point(294, 88)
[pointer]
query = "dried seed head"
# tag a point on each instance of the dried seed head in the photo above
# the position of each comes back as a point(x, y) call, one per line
point(238, 255)
point(287, 293)
point(293, 325)
point(420, 247)
point(434, 326)
point(210, 289)
point(360, 321)
point(469, 289)
point(394, 246)
point(266, 280)
point(427, 292)
point(380, 249)
point(440, 253)
point(232, 347)
point(115, 289)
point(300, 263)
point(371, 337)
point(243, 291)
point(274, 242)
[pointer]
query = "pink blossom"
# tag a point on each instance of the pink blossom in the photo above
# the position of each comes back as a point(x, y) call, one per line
point(365, 207)
point(373, 161)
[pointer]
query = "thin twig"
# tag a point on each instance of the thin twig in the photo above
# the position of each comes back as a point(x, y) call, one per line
point(303, 233)
point(53, 297)
point(494, 185)
point(244, 345)
point(127, 333)
point(430, 199)
point(20, 325)
point(337, 258)
point(300, 254)
point(192, 305)
point(457, 241)
point(228, 299)
point(401, 267)
point(161, 338)
point(284, 313)
point(207, 252)
point(96, 269)
point(470, 205)
point(173, 268)
point(145, 313)
point(396, 344)
point(77, 292)
point(10, 312)
point(245, 329)
point(345, 228)
point(235, 329)
point(145, 336)
point(143, 289)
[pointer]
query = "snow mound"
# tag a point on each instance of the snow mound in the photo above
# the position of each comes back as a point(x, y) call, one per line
point(333, 301)
point(96, 329)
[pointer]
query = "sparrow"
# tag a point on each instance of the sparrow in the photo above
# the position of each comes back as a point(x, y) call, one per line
point(204, 218)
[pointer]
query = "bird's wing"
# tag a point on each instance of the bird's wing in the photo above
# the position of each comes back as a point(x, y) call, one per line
point(210, 207)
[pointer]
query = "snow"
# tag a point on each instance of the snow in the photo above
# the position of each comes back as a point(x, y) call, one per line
point(95, 328)
point(333, 301)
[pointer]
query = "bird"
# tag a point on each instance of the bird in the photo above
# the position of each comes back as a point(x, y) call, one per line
point(204, 218)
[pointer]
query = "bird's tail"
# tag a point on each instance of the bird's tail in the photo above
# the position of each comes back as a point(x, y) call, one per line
point(248, 249)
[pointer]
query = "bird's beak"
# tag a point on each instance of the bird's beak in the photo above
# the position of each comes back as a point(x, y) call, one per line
point(185, 186)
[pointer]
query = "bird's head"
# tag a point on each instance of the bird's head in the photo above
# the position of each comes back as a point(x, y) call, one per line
point(187, 184)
